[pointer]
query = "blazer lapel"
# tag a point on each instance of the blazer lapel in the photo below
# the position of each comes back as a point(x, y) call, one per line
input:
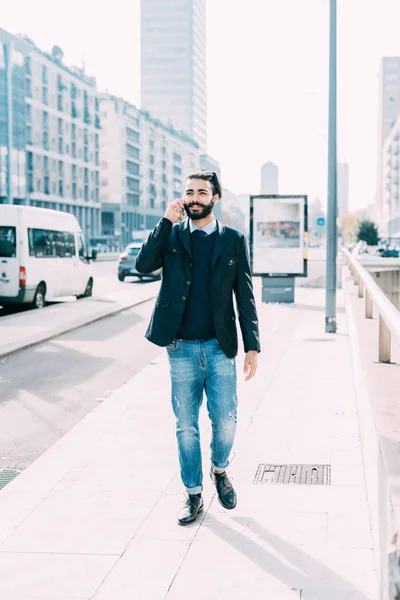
point(184, 237)
point(219, 243)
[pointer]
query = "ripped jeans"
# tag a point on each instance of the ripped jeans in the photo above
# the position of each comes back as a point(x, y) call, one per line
point(198, 367)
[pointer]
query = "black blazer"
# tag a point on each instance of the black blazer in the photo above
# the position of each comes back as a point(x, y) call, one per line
point(169, 246)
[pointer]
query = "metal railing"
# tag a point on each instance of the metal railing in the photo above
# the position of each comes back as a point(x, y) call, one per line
point(388, 315)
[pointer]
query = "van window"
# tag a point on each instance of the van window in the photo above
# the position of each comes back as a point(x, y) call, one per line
point(45, 243)
point(8, 242)
point(133, 251)
point(65, 244)
point(42, 243)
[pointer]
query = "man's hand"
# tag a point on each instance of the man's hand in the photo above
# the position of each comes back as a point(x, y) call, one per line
point(250, 364)
point(175, 211)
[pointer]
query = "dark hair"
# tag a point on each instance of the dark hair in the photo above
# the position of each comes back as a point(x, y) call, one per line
point(210, 176)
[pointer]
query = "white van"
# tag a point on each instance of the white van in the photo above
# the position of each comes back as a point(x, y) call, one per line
point(42, 256)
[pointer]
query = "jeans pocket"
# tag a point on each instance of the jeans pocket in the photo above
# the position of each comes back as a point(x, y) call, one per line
point(173, 346)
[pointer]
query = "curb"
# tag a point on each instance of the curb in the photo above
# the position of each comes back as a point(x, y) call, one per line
point(15, 347)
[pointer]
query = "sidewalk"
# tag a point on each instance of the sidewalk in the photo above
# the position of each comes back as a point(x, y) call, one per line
point(95, 516)
point(34, 326)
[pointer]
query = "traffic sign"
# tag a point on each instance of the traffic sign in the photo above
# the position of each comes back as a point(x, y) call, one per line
point(320, 221)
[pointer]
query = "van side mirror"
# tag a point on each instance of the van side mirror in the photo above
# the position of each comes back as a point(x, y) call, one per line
point(94, 255)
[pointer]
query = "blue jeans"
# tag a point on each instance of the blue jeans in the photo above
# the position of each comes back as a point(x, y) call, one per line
point(196, 367)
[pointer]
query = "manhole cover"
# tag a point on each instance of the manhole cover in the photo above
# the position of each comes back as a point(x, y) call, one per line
point(294, 474)
point(7, 475)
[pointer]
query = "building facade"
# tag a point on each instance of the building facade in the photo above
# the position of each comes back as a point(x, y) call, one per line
point(54, 139)
point(269, 178)
point(342, 188)
point(389, 111)
point(13, 184)
point(390, 192)
point(143, 163)
point(173, 64)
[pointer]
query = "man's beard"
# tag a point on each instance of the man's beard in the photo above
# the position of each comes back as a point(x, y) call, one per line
point(200, 214)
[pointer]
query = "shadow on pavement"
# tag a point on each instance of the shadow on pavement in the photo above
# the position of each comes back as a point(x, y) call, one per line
point(304, 572)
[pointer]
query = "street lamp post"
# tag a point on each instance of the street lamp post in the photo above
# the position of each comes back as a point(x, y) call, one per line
point(331, 250)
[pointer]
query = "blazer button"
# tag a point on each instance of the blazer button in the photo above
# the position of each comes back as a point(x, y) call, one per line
point(188, 282)
point(233, 318)
point(190, 265)
point(183, 297)
point(173, 249)
point(230, 262)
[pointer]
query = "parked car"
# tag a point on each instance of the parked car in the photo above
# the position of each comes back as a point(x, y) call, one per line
point(43, 256)
point(127, 264)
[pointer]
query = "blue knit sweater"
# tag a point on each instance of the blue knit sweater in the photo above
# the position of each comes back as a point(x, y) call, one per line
point(197, 321)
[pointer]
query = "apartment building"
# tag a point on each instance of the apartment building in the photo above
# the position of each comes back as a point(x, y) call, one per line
point(390, 193)
point(52, 149)
point(142, 162)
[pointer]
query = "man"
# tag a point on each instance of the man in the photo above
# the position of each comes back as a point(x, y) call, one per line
point(204, 263)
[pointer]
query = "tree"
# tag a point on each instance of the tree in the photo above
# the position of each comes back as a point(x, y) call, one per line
point(368, 232)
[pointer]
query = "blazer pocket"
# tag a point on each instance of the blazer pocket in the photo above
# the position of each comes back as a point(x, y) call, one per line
point(162, 303)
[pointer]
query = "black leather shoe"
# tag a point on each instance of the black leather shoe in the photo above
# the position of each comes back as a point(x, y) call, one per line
point(193, 507)
point(226, 493)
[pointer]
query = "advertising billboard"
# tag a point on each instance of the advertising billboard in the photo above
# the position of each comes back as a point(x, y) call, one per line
point(278, 235)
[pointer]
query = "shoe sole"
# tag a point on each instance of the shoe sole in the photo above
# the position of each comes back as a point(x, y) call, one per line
point(195, 519)
point(227, 507)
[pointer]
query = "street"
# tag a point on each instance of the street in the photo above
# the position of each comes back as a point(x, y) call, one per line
point(105, 282)
point(45, 390)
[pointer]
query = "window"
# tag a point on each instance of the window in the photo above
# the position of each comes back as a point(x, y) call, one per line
point(152, 160)
point(132, 199)
point(45, 95)
point(44, 243)
point(46, 187)
point(177, 171)
point(132, 168)
point(29, 113)
point(132, 152)
point(45, 120)
point(132, 184)
point(132, 136)
point(60, 105)
point(60, 126)
point(151, 145)
point(8, 242)
point(151, 173)
point(44, 74)
point(60, 145)
point(28, 87)
point(164, 151)
point(164, 165)
point(60, 168)
point(177, 157)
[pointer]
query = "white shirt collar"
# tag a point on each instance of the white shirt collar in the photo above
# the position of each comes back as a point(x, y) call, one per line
point(208, 229)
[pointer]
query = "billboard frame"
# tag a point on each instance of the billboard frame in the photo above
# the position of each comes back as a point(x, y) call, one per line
point(305, 241)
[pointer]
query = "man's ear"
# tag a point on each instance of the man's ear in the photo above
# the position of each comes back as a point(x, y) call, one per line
point(216, 198)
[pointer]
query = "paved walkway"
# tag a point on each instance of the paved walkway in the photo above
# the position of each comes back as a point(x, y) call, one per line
point(95, 516)
point(34, 326)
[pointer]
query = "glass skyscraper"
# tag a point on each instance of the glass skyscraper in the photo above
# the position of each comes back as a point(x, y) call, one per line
point(12, 120)
point(173, 68)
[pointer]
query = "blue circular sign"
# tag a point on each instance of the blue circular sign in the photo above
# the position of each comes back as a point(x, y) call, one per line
point(321, 222)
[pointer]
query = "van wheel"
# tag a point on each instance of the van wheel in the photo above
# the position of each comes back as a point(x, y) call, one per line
point(88, 290)
point(121, 277)
point(39, 300)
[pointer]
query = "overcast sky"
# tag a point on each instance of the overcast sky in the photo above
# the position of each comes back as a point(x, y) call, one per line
point(267, 67)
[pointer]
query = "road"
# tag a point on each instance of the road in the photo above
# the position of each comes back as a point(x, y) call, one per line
point(45, 390)
point(105, 283)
